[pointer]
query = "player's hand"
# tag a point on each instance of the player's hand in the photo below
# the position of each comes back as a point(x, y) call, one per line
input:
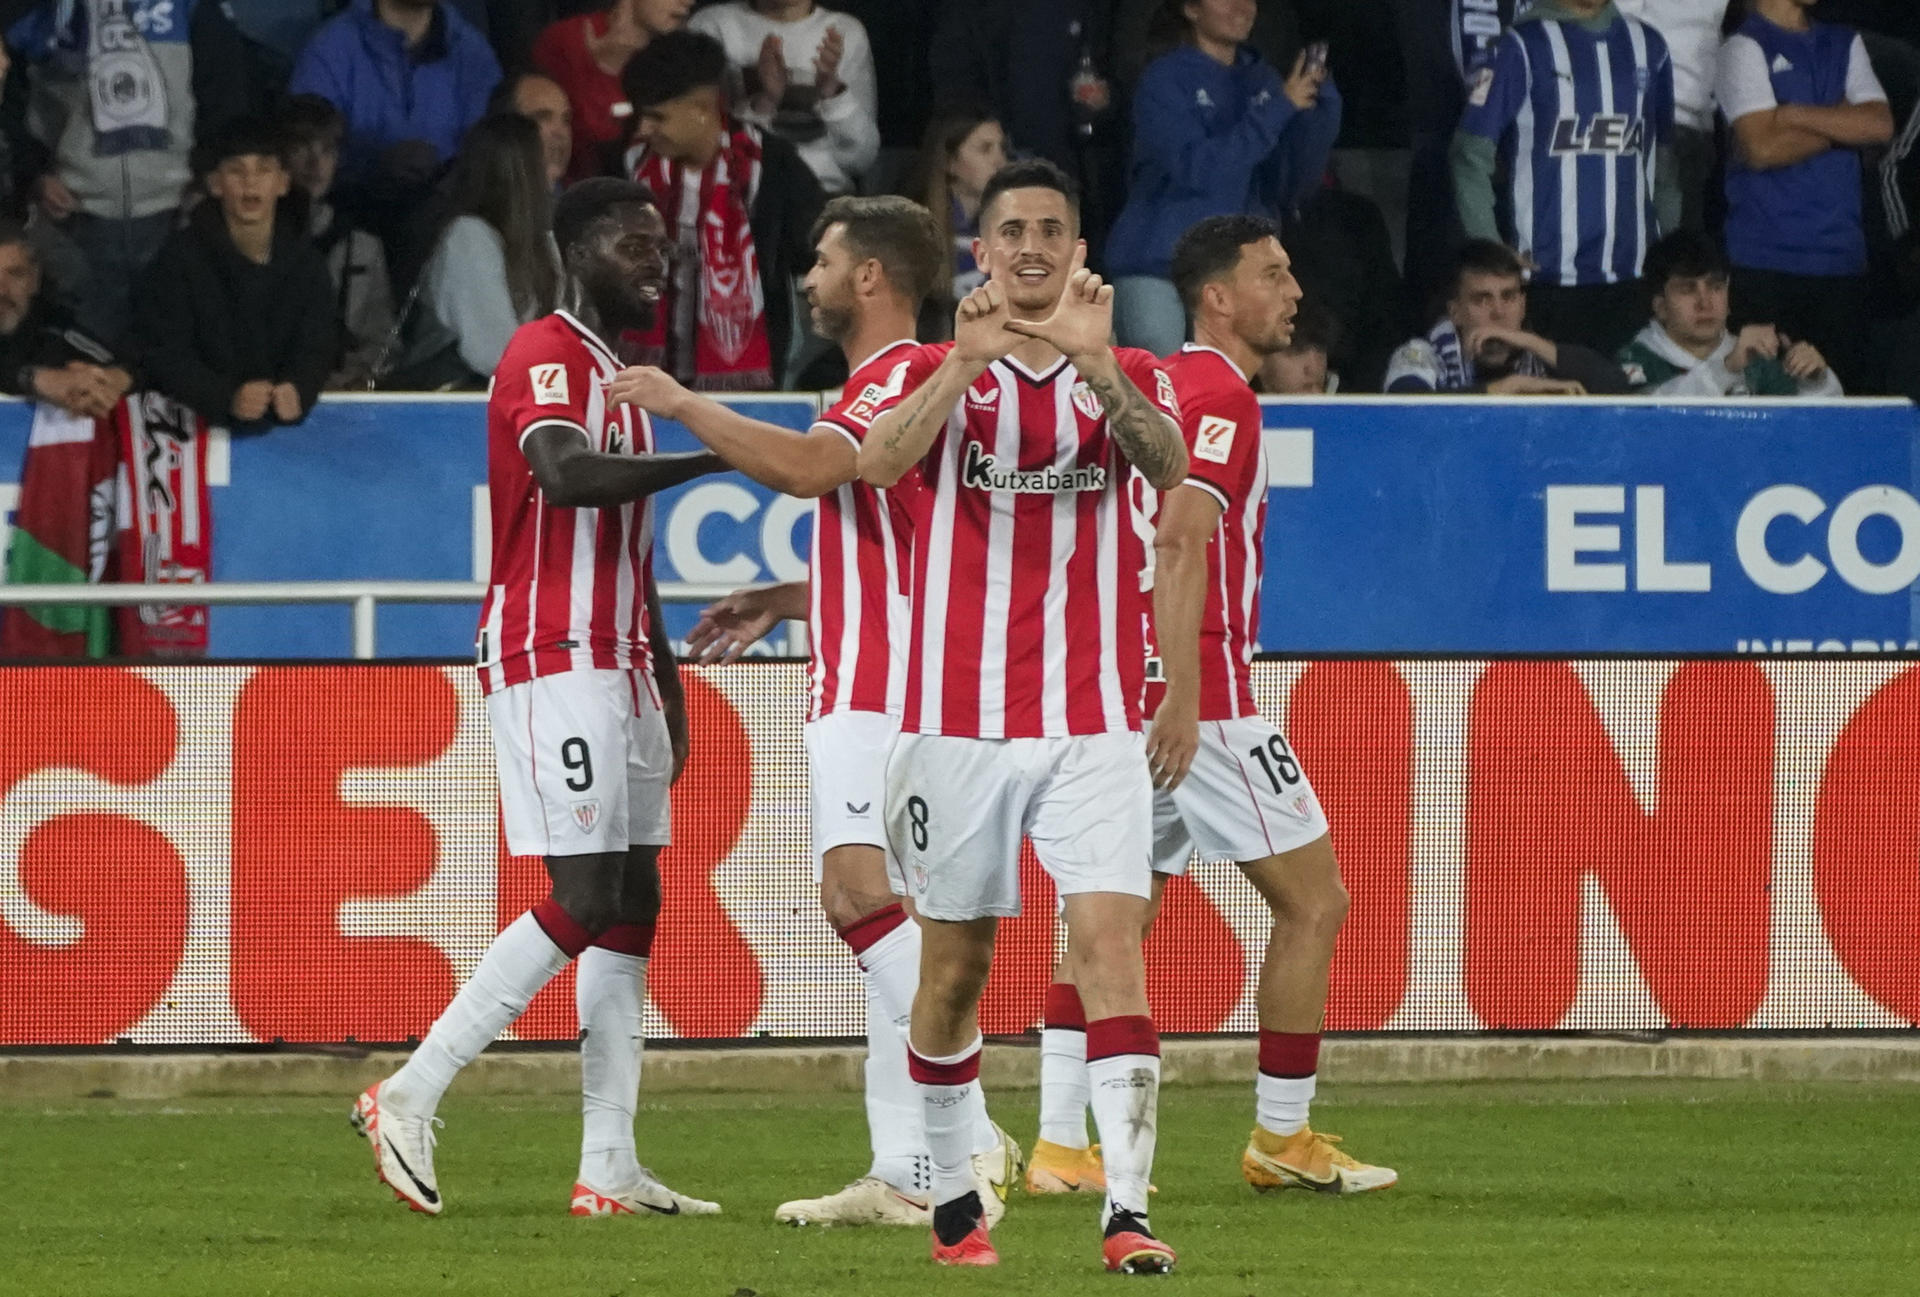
point(1755, 340)
point(773, 76)
point(1516, 339)
point(1173, 739)
point(1302, 87)
point(726, 629)
point(251, 400)
point(1803, 362)
point(653, 390)
point(826, 64)
point(286, 403)
point(1532, 385)
point(1082, 323)
point(981, 326)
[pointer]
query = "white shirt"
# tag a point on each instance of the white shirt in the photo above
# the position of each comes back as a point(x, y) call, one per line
point(1692, 32)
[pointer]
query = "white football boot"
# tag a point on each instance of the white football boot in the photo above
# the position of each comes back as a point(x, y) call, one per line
point(402, 1150)
point(994, 1171)
point(867, 1201)
point(647, 1196)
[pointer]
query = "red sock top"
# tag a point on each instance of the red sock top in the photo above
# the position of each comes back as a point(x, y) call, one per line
point(1289, 1054)
point(1064, 1011)
point(561, 929)
point(627, 939)
point(927, 1072)
point(861, 934)
point(1134, 1034)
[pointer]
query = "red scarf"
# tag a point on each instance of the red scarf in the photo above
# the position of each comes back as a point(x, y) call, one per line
point(717, 343)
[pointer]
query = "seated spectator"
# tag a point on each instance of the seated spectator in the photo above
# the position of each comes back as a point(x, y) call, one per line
point(410, 76)
point(539, 98)
point(1802, 100)
point(43, 356)
point(107, 176)
point(721, 327)
point(493, 266)
point(963, 148)
point(1216, 131)
point(808, 73)
point(1300, 368)
point(1686, 349)
point(362, 291)
point(235, 316)
point(584, 55)
point(1480, 346)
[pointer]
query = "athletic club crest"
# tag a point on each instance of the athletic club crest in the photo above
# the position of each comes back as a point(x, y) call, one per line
point(587, 814)
point(1086, 402)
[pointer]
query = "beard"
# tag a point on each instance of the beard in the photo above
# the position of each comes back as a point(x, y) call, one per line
point(834, 323)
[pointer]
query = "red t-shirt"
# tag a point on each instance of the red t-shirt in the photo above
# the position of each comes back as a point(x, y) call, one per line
point(601, 113)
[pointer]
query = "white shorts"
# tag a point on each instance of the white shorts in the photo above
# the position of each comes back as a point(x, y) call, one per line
point(957, 809)
point(847, 784)
point(585, 763)
point(1246, 798)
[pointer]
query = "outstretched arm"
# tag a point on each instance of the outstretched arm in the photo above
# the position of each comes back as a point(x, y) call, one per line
point(729, 626)
point(902, 436)
point(573, 476)
point(793, 463)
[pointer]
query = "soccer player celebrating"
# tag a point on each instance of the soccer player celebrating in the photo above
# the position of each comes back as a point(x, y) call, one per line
point(1025, 665)
point(589, 723)
point(876, 261)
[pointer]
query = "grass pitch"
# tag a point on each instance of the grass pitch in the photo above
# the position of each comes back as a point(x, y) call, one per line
point(1616, 1188)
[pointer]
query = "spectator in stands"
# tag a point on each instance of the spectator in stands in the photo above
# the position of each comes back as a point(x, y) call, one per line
point(1686, 349)
point(1578, 105)
point(1692, 32)
point(107, 173)
point(721, 327)
point(493, 267)
point(43, 355)
point(1480, 346)
point(1301, 369)
point(1802, 101)
point(235, 316)
point(362, 291)
point(963, 148)
point(584, 55)
point(808, 74)
point(539, 98)
point(1343, 257)
point(410, 76)
point(1216, 130)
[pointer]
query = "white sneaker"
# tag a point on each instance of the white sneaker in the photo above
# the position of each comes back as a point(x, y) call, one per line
point(867, 1201)
point(997, 1168)
point(647, 1196)
point(402, 1150)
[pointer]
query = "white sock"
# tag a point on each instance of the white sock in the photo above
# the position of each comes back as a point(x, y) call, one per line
point(521, 960)
point(896, 1118)
point(1280, 1102)
point(944, 1083)
point(1063, 1087)
point(612, 997)
point(1125, 1078)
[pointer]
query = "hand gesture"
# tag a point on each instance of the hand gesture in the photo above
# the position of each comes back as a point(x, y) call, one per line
point(826, 64)
point(982, 329)
point(250, 400)
point(286, 403)
point(1803, 362)
point(1530, 385)
point(1173, 739)
point(1302, 87)
point(727, 628)
point(1082, 323)
point(653, 390)
point(1755, 340)
point(773, 75)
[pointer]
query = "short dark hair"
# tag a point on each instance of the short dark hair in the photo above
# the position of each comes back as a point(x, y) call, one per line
point(586, 204)
point(1684, 254)
point(1029, 173)
point(508, 88)
point(309, 119)
point(1484, 257)
point(245, 137)
point(1211, 248)
point(12, 232)
point(897, 232)
point(672, 65)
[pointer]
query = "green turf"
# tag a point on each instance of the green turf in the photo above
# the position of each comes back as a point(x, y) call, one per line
point(1657, 1188)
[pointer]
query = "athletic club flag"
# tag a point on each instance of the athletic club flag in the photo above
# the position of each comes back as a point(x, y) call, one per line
point(165, 517)
point(62, 533)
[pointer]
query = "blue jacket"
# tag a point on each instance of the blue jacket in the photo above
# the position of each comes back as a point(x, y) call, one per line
point(388, 94)
point(1211, 140)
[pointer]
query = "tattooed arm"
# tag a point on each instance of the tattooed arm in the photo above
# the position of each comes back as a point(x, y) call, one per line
point(901, 437)
point(1148, 438)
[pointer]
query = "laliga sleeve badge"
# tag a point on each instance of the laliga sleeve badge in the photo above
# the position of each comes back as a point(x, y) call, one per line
point(549, 384)
point(1215, 441)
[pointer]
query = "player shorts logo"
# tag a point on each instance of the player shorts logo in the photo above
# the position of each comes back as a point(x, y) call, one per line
point(982, 472)
point(1215, 442)
point(587, 814)
point(549, 384)
point(1301, 808)
point(1086, 402)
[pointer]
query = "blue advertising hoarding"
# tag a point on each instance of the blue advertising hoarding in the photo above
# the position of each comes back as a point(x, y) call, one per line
point(1395, 525)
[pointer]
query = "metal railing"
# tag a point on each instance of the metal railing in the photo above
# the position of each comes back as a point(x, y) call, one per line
point(365, 598)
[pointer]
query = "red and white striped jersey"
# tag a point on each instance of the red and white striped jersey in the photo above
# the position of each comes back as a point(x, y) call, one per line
point(1026, 605)
point(862, 540)
point(568, 588)
point(1221, 421)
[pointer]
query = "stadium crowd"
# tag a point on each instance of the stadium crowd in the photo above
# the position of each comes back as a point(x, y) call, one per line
point(244, 204)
